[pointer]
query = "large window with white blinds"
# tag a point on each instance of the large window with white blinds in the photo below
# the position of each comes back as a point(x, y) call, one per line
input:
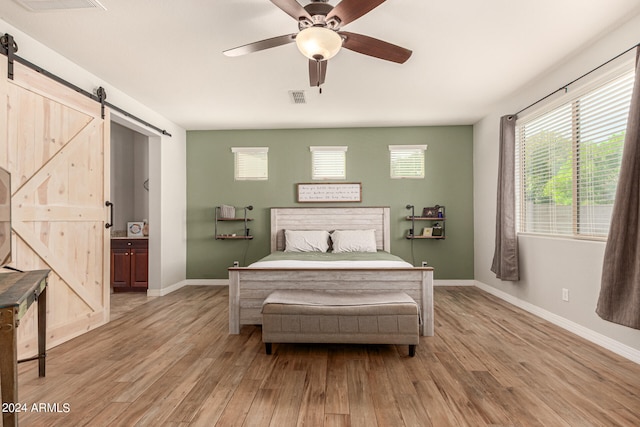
point(568, 160)
point(251, 163)
point(328, 162)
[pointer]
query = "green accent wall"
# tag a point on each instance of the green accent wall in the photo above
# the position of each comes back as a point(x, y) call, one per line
point(448, 182)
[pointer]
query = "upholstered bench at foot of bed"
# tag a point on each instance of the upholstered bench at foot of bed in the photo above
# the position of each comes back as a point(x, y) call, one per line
point(300, 316)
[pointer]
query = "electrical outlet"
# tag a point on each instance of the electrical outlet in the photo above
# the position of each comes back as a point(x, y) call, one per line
point(565, 294)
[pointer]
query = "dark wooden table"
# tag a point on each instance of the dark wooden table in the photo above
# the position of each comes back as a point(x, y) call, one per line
point(18, 291)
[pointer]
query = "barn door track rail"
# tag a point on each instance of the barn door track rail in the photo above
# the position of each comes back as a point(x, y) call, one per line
point(9, 47)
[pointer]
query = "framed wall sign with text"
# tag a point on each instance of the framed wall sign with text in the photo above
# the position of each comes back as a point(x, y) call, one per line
point(329, 192)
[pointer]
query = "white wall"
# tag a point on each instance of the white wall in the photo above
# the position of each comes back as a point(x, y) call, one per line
point(129, 170)
point(140, 175)
point(548, 264)
point(122, 167)
point(167, 162)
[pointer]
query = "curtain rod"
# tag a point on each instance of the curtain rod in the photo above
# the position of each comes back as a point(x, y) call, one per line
point(9, 52)
point(575, 80)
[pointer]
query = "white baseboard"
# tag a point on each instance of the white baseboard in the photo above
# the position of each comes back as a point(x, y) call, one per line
point(189, 282)
point(454, 282)
point(208, 282)
point(582, 331)
point(165, 291)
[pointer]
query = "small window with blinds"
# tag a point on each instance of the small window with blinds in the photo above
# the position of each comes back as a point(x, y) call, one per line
point(568, 162)
point(407, 161)
point(328, 162)
point(251, 163)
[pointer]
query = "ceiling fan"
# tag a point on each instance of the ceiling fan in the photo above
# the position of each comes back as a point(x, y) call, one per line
point(320, 36)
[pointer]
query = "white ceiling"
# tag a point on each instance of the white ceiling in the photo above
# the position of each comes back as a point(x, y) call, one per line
point(467, 55)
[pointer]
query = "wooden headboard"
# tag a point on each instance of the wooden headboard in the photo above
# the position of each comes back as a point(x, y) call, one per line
point(355, 218)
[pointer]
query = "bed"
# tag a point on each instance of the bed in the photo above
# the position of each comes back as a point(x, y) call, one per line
point(249, 286)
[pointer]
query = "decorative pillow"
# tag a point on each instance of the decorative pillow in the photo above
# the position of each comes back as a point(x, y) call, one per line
point(306, 240)
point(354, 241)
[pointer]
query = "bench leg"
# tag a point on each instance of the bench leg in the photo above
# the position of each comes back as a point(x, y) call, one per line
point(412, 350)
point(9, 364)
point(267, 347)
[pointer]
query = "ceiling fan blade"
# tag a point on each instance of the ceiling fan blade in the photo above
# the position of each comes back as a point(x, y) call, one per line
point(317, 72)
point(350, 10)
point(374, 47)
point(261, 45)
point(293, 9)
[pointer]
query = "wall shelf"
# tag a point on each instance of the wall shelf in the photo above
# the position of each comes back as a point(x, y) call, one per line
point(424, 218)
point(438, 223)
point(232, 237)
point(244, 235)
point(410, 237)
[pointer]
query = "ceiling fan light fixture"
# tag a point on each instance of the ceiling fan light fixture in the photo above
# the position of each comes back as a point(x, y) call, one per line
point(318, 43)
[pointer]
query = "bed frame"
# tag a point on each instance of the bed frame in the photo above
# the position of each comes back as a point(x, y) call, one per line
point(248, 286)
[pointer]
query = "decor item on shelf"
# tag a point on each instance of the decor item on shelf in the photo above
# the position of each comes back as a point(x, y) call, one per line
point(319, 37)
point(436, 230)
point(432, 212)
point(427, 232)
point(227, 212)
point(413, 225)
point(134, 229)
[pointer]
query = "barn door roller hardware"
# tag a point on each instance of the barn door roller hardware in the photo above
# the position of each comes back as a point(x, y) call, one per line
point(102, 97)
point(9, 47)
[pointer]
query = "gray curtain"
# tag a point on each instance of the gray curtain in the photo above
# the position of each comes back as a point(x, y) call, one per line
point(505, 256)
point(619, 300)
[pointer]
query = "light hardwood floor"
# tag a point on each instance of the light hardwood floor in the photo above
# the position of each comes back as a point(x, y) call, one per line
point(169, 361)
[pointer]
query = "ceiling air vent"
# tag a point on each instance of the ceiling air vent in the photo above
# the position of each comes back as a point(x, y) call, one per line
point(297, 96)
point(53, 5)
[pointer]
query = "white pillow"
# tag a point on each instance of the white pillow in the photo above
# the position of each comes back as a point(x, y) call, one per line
point(354, 241)
point(306, 240)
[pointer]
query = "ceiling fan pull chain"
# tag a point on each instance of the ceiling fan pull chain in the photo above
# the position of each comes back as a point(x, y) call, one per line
point(318, 67)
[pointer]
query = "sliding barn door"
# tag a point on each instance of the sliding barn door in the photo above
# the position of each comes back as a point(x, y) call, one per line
point(56, 146)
